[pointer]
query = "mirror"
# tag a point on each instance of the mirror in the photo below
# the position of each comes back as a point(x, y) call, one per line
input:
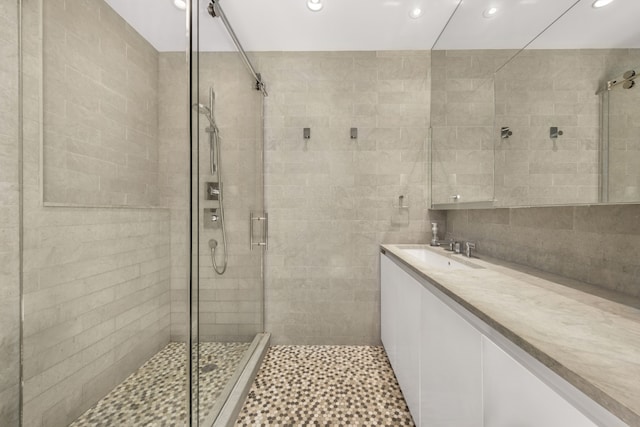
point(537, 126)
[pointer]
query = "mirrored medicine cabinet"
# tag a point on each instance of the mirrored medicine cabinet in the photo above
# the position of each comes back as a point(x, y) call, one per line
point(536, 106)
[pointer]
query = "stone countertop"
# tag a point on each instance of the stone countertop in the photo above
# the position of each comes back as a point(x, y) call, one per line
point(588, 336)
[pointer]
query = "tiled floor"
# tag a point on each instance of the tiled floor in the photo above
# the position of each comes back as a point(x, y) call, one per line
point(154, 395)
point(296, 385)
point(325, 385)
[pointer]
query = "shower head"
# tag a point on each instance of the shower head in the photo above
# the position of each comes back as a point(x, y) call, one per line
point(202, 109)
point(206, 111)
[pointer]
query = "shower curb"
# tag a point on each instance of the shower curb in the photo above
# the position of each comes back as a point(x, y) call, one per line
point(229, 412)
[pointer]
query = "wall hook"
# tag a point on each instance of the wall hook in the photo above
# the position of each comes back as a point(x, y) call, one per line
point(505, 132)
point(554, 132)
point(354, 133)
point(306, 133)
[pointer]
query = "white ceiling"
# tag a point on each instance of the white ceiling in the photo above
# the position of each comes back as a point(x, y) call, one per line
point(613, 26)
point(287, 25)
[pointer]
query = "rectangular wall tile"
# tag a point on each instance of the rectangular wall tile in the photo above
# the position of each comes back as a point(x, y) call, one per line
point(593, 244)
point(96, 280)
point(9, 218)
point(100, 108)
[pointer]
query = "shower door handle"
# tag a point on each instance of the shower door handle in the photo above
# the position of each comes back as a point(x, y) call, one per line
point(265, 230)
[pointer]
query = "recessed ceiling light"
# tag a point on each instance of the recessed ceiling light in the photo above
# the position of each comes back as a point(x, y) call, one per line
point(601, 3)
point(415, 13)
point(490, 13)
point(314, 5)
point(180, 4)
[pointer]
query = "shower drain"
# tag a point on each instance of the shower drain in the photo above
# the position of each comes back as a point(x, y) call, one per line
point(209, 368)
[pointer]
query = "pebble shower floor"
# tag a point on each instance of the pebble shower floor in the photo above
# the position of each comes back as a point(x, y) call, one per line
point(155, 396)
point(296, 386)
point(325, 386)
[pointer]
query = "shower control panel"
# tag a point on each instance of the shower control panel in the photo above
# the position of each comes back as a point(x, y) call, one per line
point(212, 191)
point(211, 218)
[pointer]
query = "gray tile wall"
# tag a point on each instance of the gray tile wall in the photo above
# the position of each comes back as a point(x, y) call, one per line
point(230, 304)
point(544, 88)
point(9, 217)
point(100, 108)
point(534, 91)
point(332, 200)
point(624, 134)
point(96, 280)
point(462, 119)
point(173, 114)
point(595, 244)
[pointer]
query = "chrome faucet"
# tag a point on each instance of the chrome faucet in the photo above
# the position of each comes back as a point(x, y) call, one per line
point(448, 245)
point(468, 248)
point(434, 239)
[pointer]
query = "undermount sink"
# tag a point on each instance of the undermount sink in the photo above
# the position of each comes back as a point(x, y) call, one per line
point(434, 260)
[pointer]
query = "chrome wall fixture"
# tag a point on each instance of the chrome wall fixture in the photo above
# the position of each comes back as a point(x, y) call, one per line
point(264, 220)
point(630, 81)
point(214, 217)
point(212, 191)
point(211, 218)
point(627, 80)
point(216, 11)
point(505, 132)
point(554, 132)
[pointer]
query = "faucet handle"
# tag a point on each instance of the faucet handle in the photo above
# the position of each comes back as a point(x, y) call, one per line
point(468, 247)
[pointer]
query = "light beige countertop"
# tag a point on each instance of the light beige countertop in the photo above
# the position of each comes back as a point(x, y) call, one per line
point(588, 336)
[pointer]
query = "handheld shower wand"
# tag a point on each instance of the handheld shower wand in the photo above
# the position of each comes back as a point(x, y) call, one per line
point(216, 170)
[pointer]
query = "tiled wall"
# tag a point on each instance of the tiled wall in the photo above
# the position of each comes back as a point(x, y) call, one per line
point(594, 244)
point(230, 304)
point(543, 88)
point(100, 108)
point(96, 280)
point(331, 199)
point(9, 217)
point(536, 90)
point(463, 123)
point(173, 115)
point(624, 131)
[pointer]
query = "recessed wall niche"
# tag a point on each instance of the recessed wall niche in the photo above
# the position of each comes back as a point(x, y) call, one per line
point(100, 108)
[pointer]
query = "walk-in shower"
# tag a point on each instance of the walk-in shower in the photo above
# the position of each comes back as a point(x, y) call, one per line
point(124, 321)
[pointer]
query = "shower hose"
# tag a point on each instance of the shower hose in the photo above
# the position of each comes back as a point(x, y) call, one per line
point(215, 145)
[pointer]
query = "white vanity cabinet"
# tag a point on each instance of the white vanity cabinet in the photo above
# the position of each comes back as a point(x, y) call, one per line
point(451, 367)
point(401, 335)
point(389, 307)
point(456, 371)
point(513, 396)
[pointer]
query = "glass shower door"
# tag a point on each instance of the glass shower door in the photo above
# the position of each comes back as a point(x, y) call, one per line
point(228, 225)
point(621, 149)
